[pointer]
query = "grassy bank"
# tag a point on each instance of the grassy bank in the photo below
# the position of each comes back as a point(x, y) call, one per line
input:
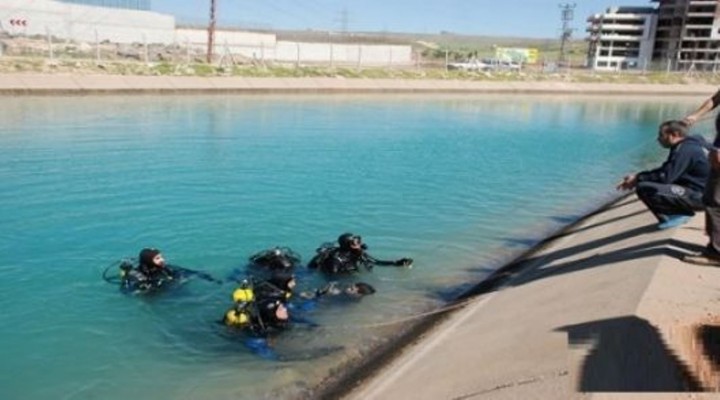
point(9, 65)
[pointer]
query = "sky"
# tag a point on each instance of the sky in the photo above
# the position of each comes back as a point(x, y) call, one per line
point(517, 18)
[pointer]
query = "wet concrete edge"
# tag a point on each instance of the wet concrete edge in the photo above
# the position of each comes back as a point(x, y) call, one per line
point(355, 372)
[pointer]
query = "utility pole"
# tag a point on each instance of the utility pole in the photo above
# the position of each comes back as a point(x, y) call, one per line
point(344, 20)
point(211, 32)
point(567, 12)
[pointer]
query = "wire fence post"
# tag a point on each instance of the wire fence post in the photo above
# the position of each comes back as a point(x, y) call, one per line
point(297, 60)
point(390, 62)
point(359, 60)
point(97, 47)
point(145, 45)
point(187, 50)
point(50, 44)
point(447, 60)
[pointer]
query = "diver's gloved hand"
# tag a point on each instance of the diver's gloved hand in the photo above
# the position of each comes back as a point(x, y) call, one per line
point(330, 288)
point(404, 262)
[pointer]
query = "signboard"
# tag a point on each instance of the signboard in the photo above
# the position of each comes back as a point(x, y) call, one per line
point(517, 54)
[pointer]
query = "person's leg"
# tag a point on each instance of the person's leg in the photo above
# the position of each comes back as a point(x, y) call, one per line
point(711, 199)
point(665, 200)
point(712, 211)
point(646, 192)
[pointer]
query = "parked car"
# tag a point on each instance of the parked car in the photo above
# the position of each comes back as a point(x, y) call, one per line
point(501, 65)
point(472, 65)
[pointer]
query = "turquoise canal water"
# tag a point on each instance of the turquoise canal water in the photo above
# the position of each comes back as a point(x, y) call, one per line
point(459, 183)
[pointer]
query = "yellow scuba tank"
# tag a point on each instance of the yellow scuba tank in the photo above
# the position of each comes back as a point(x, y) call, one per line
point(239, 315)
point(235, 317)
point(243, 294)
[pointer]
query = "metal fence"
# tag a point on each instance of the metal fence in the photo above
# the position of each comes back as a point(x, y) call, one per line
point(186, 50)
point(173, 57)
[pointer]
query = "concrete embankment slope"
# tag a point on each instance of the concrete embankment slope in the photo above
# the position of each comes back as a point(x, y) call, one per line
point(607, 310)
point(64, 84)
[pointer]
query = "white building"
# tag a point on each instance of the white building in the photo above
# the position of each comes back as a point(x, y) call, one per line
point(130, 21)
point(621, 38)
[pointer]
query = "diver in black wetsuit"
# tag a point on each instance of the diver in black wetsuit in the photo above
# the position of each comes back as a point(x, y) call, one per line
point(275, 259)
point(352, 291)
point(259, 319)
point(349, 256)
point(266, 264)
point(153, 274)
point(279, 287)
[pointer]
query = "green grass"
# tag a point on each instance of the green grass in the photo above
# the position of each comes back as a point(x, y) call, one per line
point(72, 65)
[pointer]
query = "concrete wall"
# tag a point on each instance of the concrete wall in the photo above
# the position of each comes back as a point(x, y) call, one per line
point(341, 54)
point(222, 37)
point(85, 23)
point(266, 47)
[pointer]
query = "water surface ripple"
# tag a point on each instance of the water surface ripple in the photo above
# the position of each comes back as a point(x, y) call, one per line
point(459, 183)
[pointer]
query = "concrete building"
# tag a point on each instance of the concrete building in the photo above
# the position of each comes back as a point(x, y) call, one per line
point(129, 4)
point(688, 34)
point(130, 21)
point(85, 23)
point(621, 38)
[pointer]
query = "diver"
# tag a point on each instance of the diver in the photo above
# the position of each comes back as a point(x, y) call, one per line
point(267, 263)
point(275, 259)
point(349, 256)
point(347, 292)
point(259, 319)
point(280, 287)
point(152, 273)
point(353, 291)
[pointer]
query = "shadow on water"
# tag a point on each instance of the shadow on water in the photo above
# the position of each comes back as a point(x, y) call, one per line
point(530, 242)
point(565, 219)
point(530, 263)
point(627, 354)
point(524, 243)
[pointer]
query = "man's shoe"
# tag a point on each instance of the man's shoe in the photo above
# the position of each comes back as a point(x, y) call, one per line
point(702, 259)
point(673, 221)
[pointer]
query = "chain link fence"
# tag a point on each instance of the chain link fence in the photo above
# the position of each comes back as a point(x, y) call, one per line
point(43, 53)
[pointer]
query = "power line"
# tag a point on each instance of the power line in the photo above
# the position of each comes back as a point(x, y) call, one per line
point(567, 14)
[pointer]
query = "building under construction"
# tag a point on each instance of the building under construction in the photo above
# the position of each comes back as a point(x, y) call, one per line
point(621, 38)
point(688, 34)
point(685, 37)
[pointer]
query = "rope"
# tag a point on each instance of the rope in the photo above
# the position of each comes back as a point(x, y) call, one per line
point(413, 317)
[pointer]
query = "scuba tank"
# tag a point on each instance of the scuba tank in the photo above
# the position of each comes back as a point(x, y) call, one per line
point(240, 315)
point(323, 253)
